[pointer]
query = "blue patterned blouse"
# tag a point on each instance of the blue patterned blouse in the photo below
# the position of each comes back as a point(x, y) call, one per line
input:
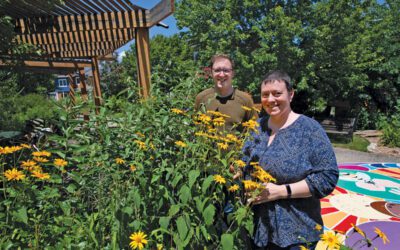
point(300, 151)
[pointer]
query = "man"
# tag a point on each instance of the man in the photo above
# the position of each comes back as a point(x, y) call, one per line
point(223, 97)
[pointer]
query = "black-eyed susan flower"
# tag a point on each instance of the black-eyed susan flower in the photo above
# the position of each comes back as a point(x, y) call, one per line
point(28, 164)
point(9, 150)
point(138, 240)
point(60, 162)
point(40, 159)
point(41, 154)
point(132, 167)
point(14, 174)
point(141, 144)
point(318, 227)
point(205, 119)
point(251, 125)
point(219, 121)
point(219, 179)
point(381, 235)
point(250, 185)
point(119, 161)
point(216, 113)
point(40, 175)
point(222, 145)
point(303, 247)
point(233, 188)
point(239, 163)
point(256, 109)
point(180, 144)
point(25, 145)
point(177, 111)
point(330, 240)
point(262, 175)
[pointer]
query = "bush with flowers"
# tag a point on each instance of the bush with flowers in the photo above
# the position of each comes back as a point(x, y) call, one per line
point(141, 174)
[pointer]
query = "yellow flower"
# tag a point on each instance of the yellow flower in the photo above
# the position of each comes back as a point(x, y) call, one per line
point(331, 240)
point(138, 240)
point(132, 167)
point(251, 125)
point(219, 121)
point(119, 161)
point(40, 175)
point(262, 175)
point(60, 162)
point(233, 188)
point(216, 113)
point(303, 247)
point(250, 185)
point(358, 230)
point(28, 164)
point(205, 119)
point(41, 154)
point(200, 134)
point(177, 111)
point(14, 174)
point(253, 163)
point(246, 108)
point(232, 138)
point(257, 110)
point(160, 247)
point(180, 144)
point(381, 235)
point(40, 159)
point(140, 134)
point(318, 227)
point(240, 163)
point(25, 145)
point(9, 150)
point(222, 145)
point(141, 144)
point(219, 179)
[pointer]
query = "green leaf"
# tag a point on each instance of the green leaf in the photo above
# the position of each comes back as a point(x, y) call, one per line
point(21, 215)
point(240, 214)
point(208, 214)
point(182, 228)
point(128, 210)
point(185, 194)
point(206, 183)
point(175, 181)
point(164, 222)
point(227, 241)
point(193, 174)
point(174, 209)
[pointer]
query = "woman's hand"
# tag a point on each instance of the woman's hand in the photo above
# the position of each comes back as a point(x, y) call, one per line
point(271, 192)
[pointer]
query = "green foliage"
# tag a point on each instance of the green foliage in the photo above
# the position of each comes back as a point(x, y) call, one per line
point(15, 111)
point(391, 129)
point(127, 173)
point(358, 143)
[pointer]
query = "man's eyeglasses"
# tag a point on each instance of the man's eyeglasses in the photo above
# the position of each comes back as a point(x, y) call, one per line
point(225, 71)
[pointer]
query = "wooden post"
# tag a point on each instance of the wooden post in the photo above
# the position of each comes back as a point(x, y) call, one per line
point(143, 61)
point(83, 88)
point(96, 84)
point(72, 87)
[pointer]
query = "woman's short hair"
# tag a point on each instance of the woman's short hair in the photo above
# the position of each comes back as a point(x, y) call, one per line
point(278, 75)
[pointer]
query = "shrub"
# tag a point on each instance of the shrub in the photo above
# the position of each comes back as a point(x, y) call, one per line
point(153, 168)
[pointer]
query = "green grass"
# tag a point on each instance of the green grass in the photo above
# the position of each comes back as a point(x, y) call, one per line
point(358, 143)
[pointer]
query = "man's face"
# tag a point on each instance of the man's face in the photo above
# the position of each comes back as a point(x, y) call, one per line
point(222, 73)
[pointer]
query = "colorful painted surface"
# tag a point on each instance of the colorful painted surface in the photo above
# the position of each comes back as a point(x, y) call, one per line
point(367, 195)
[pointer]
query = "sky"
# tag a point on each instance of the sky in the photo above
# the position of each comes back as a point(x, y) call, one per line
point(155, 30)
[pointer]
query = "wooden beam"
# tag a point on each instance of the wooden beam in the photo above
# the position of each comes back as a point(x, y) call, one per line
point(96, 84)
point(143, 61)
point(47, 64)
point(160, 11)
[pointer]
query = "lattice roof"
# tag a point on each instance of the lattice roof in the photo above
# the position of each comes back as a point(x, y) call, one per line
point(81, 28)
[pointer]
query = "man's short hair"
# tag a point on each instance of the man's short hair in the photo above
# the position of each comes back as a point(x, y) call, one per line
point(225, 56)
point(278, 75)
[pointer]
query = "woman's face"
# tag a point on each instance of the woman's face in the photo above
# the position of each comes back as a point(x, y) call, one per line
point(275, 98)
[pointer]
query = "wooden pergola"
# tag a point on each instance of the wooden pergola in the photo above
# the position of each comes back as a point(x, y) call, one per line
point(79, 33)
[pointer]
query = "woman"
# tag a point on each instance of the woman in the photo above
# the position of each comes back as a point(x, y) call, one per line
point(295, 150)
